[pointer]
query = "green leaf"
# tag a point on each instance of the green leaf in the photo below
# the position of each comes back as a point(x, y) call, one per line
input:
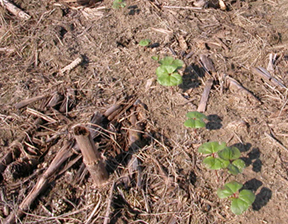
point(211, 147)
point(240, 164)
point(161, 70)
point(171, 64)
point(214, 163)
point(166, 61)
point(155, 58)
point(165, 79)
point(229, 189)
point(247, 196)
point(191, 123)
point(144, 42)
point(196, 114)
point(242, 203)
point(233, 169)
point(118, 4)
point(229, 153)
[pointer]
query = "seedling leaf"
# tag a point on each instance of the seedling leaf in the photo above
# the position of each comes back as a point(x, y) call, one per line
point(229, 189)
point(118, 4)
point(144, 42)
point(229, 153)
point(240, 164)
point(196, 114)
point(171, 64)
point(155, 58)
point(233, 169)
point(211, 147)
point(191, 123)
point(242, 203)
point(215, 163)
point(166, 79)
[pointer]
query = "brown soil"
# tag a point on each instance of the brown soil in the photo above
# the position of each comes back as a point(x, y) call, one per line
point(176, 187)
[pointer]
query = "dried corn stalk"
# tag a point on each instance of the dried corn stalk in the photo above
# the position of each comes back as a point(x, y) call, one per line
point(91, 156)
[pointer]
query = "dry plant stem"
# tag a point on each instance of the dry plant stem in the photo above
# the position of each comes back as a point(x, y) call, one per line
point(64, 153)
point(205, 95)
point(277, 141)
point(109, 202)
point(91, 157)
point(41, 115)
point(71, 66)
point(14, 10)
point(232, 84)
point(7, 159)
point(262, 72)
point(26, 102)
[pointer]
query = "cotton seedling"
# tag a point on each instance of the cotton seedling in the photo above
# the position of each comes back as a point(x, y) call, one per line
point(167, 72)
point(144, 42)
point(195, 120)
point(222, 157)
point(117, 4)
point(241, 199)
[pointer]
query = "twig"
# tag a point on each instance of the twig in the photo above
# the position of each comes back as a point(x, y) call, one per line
point(26, 102)
point(181, 7)
point(267, 76)
point(91, 156)
point(205, 95)
point(64, 153)
point(14, 10)
point(109, 202)
point(94, 211)
point(232, 84)
point(276, 140)
point(41, 115)
point(71, 66)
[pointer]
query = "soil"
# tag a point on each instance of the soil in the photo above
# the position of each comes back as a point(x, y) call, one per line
point(176, 186)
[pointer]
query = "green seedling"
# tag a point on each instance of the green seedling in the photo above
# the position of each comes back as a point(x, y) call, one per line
point(212, 148)
point(167, 74)
point(195, 120)
point(117, 4)
point(241, 200)
point(232, 155)
point(144, 42)
point(222, 157)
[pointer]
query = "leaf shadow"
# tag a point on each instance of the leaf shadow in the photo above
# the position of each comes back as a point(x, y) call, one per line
point(191, 76)
point(263, 197)
point(214, 122)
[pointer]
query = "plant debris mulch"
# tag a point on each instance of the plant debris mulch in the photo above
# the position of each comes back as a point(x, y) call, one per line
point(69, 64)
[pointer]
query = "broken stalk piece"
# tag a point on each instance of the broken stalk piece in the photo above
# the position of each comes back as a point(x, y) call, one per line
point(91, 156)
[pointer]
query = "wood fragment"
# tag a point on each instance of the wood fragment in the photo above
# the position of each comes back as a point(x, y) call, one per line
point(71, 66)
point(91, 156)
point(55, 100)
point(109, 202)
point(233, 85)
point(262, 72)
point(9, 157)
point(222, 5)
point(181, 7)
point(182, 43)
point(15, 10)
point(40, 115)
point(26, 102)
point(274, 139)
point(207, 64)
point(42, 183)
point(68, 102)
point(203, 102)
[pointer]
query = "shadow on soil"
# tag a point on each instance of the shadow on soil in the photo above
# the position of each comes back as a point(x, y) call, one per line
point(253, 157)
point(263, 197)
point(214, 122)
point(191, 76)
